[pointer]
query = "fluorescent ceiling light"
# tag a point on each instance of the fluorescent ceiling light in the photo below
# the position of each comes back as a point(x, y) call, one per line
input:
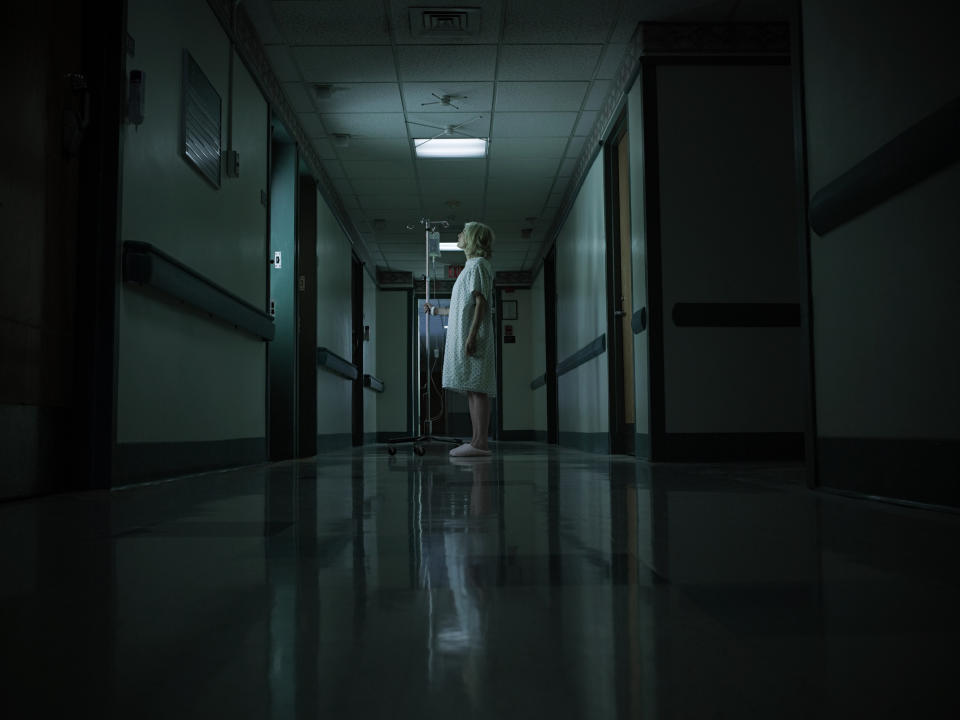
point(449, 246)
point(450, 147)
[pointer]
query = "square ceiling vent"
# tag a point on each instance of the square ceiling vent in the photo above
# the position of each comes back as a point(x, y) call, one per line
point(445, 22)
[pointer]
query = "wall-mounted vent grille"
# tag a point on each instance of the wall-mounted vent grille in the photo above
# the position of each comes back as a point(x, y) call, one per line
point(444, 22)
point(200, 121)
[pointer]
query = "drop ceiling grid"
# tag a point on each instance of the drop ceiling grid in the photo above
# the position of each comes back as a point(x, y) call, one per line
point(539, 83)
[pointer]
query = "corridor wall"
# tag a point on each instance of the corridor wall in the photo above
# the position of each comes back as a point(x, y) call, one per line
point(582, 393)
point(370, 398)
point(190, 390)
point(538, 357)
point(334, 330)
point(394, 344)
point(884, 284)
point(517, 364)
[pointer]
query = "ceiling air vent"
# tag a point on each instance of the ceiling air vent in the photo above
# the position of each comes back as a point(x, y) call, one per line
point(446, 22)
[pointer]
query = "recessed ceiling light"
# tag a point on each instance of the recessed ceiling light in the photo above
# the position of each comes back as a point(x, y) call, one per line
point(448, 246)
point(450, 147)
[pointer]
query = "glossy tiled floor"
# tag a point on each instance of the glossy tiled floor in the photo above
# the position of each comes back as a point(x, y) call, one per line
point(540, 583)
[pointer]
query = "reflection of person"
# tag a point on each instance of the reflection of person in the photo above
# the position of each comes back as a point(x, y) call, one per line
point(468, 359)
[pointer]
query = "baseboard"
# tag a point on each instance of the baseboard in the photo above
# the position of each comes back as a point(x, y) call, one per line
point(518, 435)
point(540, 436)
point(334, 441)
point(921, 470)
point(727, 447)
point(142, 462)
point(598, 443)
point(370, 438)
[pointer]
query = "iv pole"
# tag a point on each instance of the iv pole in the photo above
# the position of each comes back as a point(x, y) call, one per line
point(418, 441)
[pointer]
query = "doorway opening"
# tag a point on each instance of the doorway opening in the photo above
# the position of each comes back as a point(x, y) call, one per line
point(619, 288)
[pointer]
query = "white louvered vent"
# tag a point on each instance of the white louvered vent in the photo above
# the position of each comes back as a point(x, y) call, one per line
point(444, 22)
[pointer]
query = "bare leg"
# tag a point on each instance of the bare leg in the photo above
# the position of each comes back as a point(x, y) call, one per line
point(479, 404)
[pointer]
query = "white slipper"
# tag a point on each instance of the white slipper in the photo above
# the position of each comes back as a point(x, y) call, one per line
point(468, 450)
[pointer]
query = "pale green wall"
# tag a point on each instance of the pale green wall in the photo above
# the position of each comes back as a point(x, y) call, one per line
point(518, 359)
point(334, 400)
point(393, 314)
point(885, 288)
point(582, 394)
point(538, 353)
point(370, 398)
point(182, 376)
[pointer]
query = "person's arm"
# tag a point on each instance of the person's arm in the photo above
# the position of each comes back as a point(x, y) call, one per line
point(440, 310)
point(479, 309)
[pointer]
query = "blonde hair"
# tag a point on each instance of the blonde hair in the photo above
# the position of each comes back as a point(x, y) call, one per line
point(477, 240)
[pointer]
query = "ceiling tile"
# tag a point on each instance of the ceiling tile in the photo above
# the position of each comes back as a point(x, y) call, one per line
point(452, 188)
point(597, 95)
point(585, 123)
point(452, 168)
point(612, 58)
point(366, 125)
point(575, 147)
point(534, 147)
point(567, 167)
point(310, 122)
point(282, 62)
point(389, 200)
point(447, 62)
point(342, 186)
point(361, 97)
point(332, 22)
point(375, 168)
point(361, 63)
point(548, 62)
point(542, 124)
point(471, 97)
point(512, 96)
point(324, 148)
point(559, 21)
point(514, 168)
point(333, 169)
point(386, 149)
point(555, 199)
point(298, 97)
point(376, 186)
point(428, 125)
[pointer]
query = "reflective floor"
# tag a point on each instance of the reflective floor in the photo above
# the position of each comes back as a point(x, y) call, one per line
point(539, 583)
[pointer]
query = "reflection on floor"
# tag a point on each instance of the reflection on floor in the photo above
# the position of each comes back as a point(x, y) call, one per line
point(539, 583)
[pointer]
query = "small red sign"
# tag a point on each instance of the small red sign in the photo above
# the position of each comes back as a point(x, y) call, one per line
point(453, 271)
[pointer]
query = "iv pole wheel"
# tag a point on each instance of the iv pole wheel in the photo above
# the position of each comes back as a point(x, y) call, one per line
point(419, 450)
point(391, 450)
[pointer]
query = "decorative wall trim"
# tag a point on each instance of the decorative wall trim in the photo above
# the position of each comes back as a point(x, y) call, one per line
point(596, 347)
point(143, 462)
point(910, 158)
point(243, 35)
point(723, 314)
point(394, 279)
point(373, 383)
point(922, 470)
point(517, 435)
point(147, 265)
point(330, 361)
point(663, 39)
point(513, 278)
point(437, 287)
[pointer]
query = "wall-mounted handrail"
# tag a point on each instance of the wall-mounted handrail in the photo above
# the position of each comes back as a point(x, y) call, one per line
point(723, 314)
point(596, 347)
point(373, 383)
point(912, 156)
point(538, 381)
point(147, 265)
point(330, 361)
point(638, 321)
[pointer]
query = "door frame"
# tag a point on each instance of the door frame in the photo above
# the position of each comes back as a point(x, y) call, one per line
point(621, 433)
point(550, 340)
point(356, 335)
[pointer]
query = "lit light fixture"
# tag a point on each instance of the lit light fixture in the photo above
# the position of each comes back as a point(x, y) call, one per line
point(450, 147)
point(448, 246)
